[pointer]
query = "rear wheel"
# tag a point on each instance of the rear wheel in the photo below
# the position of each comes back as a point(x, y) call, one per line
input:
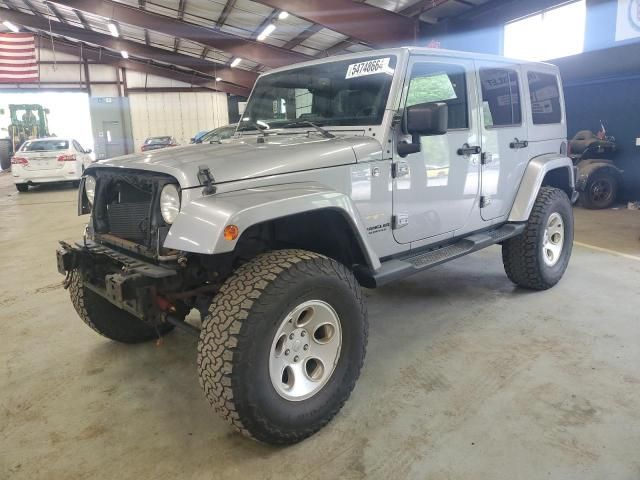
point(283, 344)
point(538, 258)
point(107, 319)
point(601, 190)
point(22, 187)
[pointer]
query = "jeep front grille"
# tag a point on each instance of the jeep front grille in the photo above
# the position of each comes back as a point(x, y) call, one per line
point(126, 206)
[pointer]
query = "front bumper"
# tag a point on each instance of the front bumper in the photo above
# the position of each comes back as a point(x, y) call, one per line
point(128, 282)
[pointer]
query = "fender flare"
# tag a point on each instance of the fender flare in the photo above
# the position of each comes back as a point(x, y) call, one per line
point(199, 227)
point(534, 175)
point(586, 168)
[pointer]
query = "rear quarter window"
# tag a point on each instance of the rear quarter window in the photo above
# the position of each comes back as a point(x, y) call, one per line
point(545, 98)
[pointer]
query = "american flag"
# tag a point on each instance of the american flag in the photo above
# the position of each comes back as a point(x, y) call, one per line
point(18, 58)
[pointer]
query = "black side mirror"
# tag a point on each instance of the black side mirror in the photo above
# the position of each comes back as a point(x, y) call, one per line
point(423, 119)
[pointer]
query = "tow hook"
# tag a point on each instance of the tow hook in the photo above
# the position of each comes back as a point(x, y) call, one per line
point(168, 309)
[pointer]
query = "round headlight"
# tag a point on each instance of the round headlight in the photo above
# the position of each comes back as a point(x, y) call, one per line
point(90, 188)
point(169, 203)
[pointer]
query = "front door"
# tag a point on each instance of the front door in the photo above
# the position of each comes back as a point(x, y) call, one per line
point(504, 142)
point(435, 190)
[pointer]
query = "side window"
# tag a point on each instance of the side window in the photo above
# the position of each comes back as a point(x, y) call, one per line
point(500, 97)
point(545, 98)
point(441, 82)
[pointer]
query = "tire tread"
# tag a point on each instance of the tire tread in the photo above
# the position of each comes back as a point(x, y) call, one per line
point(225, 337)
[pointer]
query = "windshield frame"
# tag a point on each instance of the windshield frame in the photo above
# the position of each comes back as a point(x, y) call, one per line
point(397, 56)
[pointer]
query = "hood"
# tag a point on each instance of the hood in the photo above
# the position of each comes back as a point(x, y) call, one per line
point(248, 157)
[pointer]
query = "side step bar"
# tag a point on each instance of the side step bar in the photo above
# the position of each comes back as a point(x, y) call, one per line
point(398, 268)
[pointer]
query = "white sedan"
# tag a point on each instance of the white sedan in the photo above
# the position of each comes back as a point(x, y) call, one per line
point(47, 160)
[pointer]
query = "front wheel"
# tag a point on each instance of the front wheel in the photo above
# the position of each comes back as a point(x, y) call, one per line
point(22, 187)
point(283, 344)
point(107, 319)
point(538, 258)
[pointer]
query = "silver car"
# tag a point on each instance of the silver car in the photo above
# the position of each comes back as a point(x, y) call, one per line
point(347, 172)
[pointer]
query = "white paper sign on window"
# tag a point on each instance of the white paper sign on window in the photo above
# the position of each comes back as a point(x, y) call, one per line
point(628, 21)
point(370, 67)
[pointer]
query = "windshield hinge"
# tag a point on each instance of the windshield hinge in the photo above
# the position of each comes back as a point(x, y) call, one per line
point(205, 178)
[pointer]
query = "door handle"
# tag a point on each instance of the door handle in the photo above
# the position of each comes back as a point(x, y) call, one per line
point(518, 144)
point(466, 150)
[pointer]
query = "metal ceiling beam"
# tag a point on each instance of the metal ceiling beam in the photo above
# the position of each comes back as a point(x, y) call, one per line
point(421, 7)
point(237, 46)
point(358, 20)
point(83, 20)
point(98, 56)
point(303, 35)
point(225, 12)
point(238, 76)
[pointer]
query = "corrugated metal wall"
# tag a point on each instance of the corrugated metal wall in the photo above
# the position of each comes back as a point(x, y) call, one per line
point(180, 115)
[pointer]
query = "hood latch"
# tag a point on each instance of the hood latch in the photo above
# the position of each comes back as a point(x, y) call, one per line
point(205, 178)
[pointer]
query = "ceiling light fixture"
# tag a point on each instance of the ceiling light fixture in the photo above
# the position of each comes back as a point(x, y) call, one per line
point(113, 28)
point(282, 15)
point(11, 26)
point(268, 30)
point(218, 79)
point(124, 54)
point(236, 62)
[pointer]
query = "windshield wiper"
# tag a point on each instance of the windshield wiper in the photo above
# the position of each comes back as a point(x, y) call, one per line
point(323, 132)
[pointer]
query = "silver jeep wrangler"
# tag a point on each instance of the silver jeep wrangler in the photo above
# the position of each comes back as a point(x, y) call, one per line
point(345, 172)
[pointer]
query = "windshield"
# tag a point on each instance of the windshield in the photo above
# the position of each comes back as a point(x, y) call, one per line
point(156, 140)
point(348, 92)
point(45, 145)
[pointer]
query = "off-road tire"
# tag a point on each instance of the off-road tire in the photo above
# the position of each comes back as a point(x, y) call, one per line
point(587, 197)
point(522, 255)
point(109, 320)
point(5, 154)
point(22, 187)
point(237, 333)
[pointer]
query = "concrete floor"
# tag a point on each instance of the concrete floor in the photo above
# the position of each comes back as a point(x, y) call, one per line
point(466, 376)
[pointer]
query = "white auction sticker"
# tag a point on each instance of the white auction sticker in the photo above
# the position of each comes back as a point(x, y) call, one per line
point(370, 67)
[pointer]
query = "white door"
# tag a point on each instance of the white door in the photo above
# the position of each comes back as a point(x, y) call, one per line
point(504, 137)
point(435, 190)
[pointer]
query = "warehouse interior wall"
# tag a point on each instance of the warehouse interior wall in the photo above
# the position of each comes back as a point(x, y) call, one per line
point(177, 114)
point(121, 108)
point(618, 106)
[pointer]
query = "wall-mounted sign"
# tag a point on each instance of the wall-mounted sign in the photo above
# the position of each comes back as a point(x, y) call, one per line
point(628, 20)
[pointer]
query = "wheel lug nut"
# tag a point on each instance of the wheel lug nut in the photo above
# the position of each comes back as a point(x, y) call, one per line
point(287, 352)
point(303, 333)
point(291, 336)
point(306, 347)
point(296, 358)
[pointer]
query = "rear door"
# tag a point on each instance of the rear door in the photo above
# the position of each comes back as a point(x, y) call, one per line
point(435, 190)
point(504, 136)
